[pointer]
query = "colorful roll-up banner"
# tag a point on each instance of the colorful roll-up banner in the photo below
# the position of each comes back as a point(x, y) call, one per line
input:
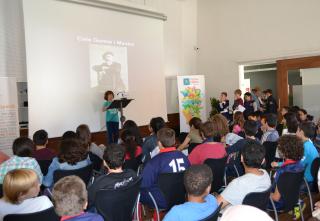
point(192, 101)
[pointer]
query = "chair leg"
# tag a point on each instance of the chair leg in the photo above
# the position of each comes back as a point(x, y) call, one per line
point(235, 168)
point(155, 205)
point(225, 177)
point(310, 196)
point(137, 208)
point(301, 212)
point(275, 210)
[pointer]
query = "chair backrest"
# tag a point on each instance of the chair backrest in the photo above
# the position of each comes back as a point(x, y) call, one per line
point(96, 161)
point(218, 170)
point(1, 191)
point(119, 204)
point(192, 146)
point(47, 215)
point(259, 200)
point(85, 173)
point(271, 148)
point(289, 184)
point(214, 216)
point(44, 166)
point(133, 164)
point(315, 168)
point(172, 188)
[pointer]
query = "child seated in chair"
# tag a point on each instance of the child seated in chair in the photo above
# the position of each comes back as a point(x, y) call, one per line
point(201, 204)
point(20, 190)
point(169, 160)
point(70, 200)
point(291, 149)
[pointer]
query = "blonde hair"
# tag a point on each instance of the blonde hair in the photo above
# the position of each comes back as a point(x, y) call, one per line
point(17, 183)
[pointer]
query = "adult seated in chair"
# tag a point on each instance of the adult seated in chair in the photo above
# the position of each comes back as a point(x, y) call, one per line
point(306, 131)
point(21, 188)
point(116, 177)
point(194, 136)
point(214, 132)
point(40, 139)
point(254, 179)
point(70, 200)
point(73, 155)
point(291, 149)
point(151, 142)
point(169, 160)
point(250, 129)
point(133, 150)
point(22, 149)
point(201, 204)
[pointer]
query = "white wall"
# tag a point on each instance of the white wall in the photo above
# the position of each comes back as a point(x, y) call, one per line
point(310, 76)
point(235, 32)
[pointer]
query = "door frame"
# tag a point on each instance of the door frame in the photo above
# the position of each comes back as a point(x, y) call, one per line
point(283, 66)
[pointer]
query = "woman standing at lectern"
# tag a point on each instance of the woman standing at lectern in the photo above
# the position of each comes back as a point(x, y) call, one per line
point(112, 118)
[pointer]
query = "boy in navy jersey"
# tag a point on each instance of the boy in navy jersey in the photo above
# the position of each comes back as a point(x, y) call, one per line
point(169, 160)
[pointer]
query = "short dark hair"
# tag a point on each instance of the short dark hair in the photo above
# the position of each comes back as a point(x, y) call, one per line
point(167, 137)
point(114, 155)
point(303, 111)
point(308, 129)
point(248, 94)
point(253, 154)
point(72, 151)
point(40, 137)
point(197, 179)
point(157, 123)
point(195, 122)
point(225, 94)
point(69, 135)
point(269, 91)
point(84, 134)
point(23, 147)
point(272, 120)
point(291, 122)
point(107, 93)
point(250, 127)
point(291, 147)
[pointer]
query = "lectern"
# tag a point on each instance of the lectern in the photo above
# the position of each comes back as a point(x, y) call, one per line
point(120, 104)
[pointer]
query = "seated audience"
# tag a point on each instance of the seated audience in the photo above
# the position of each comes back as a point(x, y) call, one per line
point(133, 128)
point(20, 193)
point(115, 176)
point(73, 155)
point(40, 139)
point(128, 139)
point(201, 204)
point(70, 199)
point(237, 100)
point(237, 124)
point(22, 149)
point(169, 160)
point(194, 136)
point(214, 132)
point(271, 134)
point(291, 149)
point(3, 157)
point(151, 142)
point(254, 180)
point(84, 134)
point(306, 131)
point(234, 151)
point(223, 106)
point(245, 213)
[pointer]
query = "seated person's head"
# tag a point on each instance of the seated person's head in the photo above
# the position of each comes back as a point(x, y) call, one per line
point(218, 129)
point(252, 154)
point(156, 124)
point(197, 180)
point(250, 128)
point(166, 137)
point(114, 156)
point(302, 115)
point(19, 185)
point(306, 130)
point(72, 151)
point(291, 147)
point(84, 134)
point(247, 96)
point(128, 139)
point(40, 138)
point(237, 94)
point(272, 120)
point(291, 122)
point(23, 147)
point(69, 135)
point(70, 196)
point(195, 122)
point(268, 92)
